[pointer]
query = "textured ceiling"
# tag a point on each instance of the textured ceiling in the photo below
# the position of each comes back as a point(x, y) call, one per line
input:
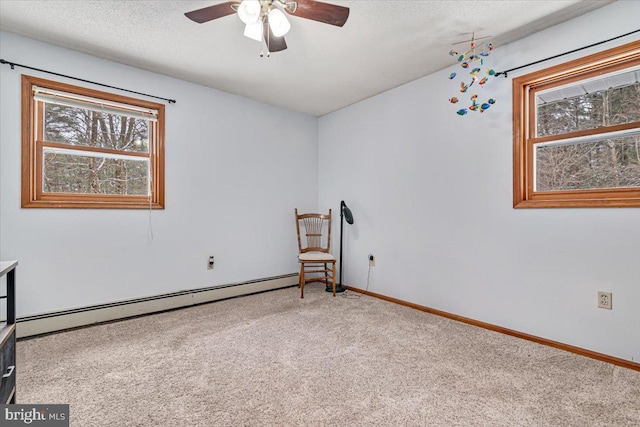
point(384, 44)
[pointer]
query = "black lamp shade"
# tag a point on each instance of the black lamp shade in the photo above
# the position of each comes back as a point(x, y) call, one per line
point(348, 216)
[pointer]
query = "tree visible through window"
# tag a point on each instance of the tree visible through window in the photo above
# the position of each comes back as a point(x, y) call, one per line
point(577, 132)
point(603, 163)
point(85, 148)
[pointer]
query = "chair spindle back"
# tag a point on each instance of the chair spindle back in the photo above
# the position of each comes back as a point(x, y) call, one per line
point(313, 227)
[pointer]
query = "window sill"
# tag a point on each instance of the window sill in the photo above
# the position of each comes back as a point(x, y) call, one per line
point(91, 205)
point(577, 203)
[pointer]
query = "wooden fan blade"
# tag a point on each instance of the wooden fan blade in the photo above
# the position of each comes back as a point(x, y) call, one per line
point(274, 44)
point(212, 12)
point(321, 12)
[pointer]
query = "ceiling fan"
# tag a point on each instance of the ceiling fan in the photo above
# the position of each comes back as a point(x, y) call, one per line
point(266, 20)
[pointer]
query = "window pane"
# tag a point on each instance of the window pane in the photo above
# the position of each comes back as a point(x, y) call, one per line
point(87, 174)
point(605, 101)
point(79, 126)
point(600, 164)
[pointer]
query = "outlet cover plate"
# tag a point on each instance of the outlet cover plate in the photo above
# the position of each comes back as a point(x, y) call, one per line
point(605, 300)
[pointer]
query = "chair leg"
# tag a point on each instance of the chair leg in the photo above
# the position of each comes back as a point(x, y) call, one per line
point(333, 278)
point(301, 283)
point(326, 275)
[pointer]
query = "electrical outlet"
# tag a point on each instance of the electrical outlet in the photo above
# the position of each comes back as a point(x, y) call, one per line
point(210, 263)
point(605, 300)
point(372, 261)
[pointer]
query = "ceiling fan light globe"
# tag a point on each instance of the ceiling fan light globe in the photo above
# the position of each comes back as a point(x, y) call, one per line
point(278, 22)
point(249, 11)
point(254, 31)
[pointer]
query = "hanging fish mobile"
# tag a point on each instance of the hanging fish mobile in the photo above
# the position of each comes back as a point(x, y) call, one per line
point(473, 59)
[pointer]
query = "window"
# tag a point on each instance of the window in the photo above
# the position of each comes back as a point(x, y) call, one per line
point(84, 148)
point(577, 133)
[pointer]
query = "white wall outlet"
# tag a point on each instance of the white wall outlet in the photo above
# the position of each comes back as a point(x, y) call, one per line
point(210, 263)
point(605, 300)
point(372, 261)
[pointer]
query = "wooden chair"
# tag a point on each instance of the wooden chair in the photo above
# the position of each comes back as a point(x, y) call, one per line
point(314, 256)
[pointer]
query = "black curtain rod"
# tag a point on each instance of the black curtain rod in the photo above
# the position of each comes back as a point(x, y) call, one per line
point(13, 65)
point(562, 54)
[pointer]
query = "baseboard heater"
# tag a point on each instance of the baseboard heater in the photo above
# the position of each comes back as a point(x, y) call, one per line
point(44, 323)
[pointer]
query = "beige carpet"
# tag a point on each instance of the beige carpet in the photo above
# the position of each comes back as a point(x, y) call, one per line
point(273, 359)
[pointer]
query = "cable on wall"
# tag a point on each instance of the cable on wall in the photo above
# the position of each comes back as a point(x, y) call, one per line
point(348, 295)
point(14, 64)
point(565, 53)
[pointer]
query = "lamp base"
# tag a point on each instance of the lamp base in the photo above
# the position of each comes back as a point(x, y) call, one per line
point(339, 289)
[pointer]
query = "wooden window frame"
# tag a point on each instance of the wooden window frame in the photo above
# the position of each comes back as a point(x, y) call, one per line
point(33, 144)
point(524, 131)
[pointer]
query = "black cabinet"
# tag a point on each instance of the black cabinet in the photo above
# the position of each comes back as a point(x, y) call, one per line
point(8, 336)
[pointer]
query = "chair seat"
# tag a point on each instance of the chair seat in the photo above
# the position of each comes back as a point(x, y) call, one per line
point(316, 256)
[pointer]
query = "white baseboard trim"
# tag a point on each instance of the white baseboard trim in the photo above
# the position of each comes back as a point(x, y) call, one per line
point(44, 323)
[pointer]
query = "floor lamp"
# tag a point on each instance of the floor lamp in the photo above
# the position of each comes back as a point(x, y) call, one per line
point(345, 214)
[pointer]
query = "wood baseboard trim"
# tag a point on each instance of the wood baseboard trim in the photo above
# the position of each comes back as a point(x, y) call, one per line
point(566, 347)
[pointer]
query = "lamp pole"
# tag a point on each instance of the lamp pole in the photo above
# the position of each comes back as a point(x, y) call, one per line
point(344, 211)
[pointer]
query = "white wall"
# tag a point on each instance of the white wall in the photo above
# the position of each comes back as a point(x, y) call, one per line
point(232, 182)
point(431, 193)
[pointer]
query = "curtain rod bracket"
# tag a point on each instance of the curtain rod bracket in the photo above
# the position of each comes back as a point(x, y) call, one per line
point(2, 61)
